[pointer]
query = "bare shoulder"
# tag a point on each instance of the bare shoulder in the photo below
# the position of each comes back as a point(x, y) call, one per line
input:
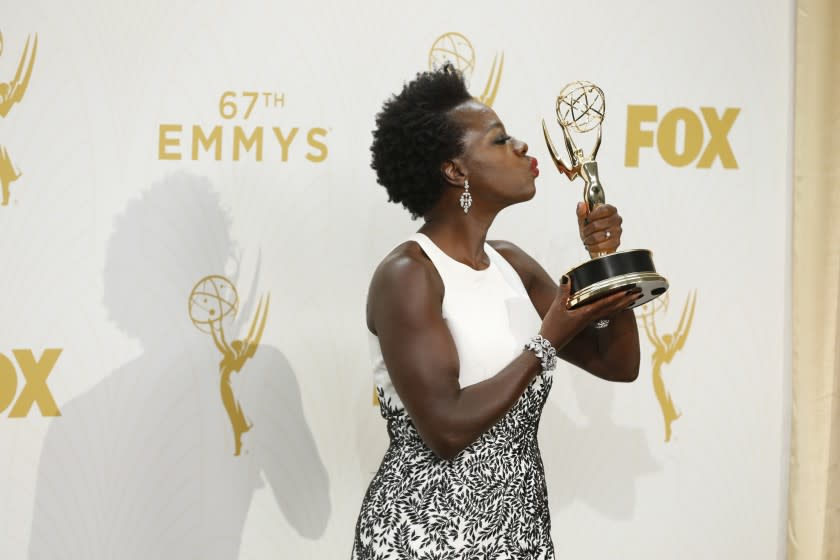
point(406, 263)
point(405, 280)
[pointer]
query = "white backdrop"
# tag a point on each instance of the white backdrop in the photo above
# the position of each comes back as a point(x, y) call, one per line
point(103, 240)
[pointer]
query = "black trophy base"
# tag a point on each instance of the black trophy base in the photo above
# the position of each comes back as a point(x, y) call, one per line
point(613, 273)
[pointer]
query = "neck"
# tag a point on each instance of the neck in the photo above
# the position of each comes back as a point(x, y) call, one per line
point(461, 236)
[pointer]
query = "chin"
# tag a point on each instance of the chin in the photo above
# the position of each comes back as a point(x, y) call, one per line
point(530, 191)
point(524, 194)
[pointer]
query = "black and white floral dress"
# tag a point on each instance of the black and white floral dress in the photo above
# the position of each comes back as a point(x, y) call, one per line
point(490, 501)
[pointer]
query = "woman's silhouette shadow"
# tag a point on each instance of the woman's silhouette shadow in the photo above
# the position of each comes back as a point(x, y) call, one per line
point(141, 466)
point(604, 459)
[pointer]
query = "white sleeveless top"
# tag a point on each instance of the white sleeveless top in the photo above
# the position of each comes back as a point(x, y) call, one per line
point(488, 312)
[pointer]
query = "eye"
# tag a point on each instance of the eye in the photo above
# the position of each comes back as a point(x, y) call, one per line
point(503, 139)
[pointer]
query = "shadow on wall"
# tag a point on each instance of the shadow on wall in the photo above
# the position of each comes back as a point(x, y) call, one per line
point(603, 461)
point(142, 465)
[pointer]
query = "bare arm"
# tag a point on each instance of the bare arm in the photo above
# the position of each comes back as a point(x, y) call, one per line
point(611, 353)
point(404, 310)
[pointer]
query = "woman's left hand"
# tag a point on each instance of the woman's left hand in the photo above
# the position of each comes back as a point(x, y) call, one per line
point(600, 231)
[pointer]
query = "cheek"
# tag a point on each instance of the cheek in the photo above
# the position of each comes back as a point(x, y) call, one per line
point(507, 177)
point(502, 178)
point(512, 187)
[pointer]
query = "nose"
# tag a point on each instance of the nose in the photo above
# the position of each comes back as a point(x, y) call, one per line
point(521, 148)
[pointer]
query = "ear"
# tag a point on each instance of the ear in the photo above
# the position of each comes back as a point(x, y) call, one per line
point(454, 173)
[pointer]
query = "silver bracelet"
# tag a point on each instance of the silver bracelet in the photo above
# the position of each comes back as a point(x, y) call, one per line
point(544, 351)
point(601, 323)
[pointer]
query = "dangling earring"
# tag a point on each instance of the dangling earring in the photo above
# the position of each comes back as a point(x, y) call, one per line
point(466, 197)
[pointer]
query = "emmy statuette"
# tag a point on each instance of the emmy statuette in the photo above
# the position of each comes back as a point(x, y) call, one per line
point(581, 107)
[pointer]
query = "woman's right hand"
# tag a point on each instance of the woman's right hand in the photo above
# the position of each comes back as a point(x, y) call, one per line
point(562, 324)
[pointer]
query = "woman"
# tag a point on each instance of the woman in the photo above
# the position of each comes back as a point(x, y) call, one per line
point(465, 332)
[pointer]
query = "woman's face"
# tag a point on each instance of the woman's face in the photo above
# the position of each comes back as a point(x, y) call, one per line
point(496, 165)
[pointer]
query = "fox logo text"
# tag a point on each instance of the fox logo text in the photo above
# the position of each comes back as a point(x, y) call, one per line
point(34, 373)
point(680, 136)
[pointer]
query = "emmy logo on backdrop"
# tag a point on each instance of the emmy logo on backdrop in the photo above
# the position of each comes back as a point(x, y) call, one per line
point(455, 48)
point(665, 348)
point(213, 302)
point(10, 93)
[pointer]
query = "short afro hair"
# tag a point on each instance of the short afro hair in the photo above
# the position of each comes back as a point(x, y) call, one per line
point(414, 134)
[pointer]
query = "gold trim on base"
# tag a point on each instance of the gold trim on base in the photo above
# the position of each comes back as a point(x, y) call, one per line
point(648, 281)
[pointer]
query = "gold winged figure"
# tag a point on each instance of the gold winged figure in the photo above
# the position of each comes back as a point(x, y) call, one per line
point(11, 93)
point(234, 356)
point(455, 48)
point(666, 346)
point(214, 299)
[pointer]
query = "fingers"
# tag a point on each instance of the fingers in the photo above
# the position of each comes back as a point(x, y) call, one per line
point(603, 242)
point(564, 290)
point(603, 211)
point(610, 304)
point(627, 299)
point(603, 236)
point(601, 230)
point(585, 218)
point(610, 222)
point(580, 210)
